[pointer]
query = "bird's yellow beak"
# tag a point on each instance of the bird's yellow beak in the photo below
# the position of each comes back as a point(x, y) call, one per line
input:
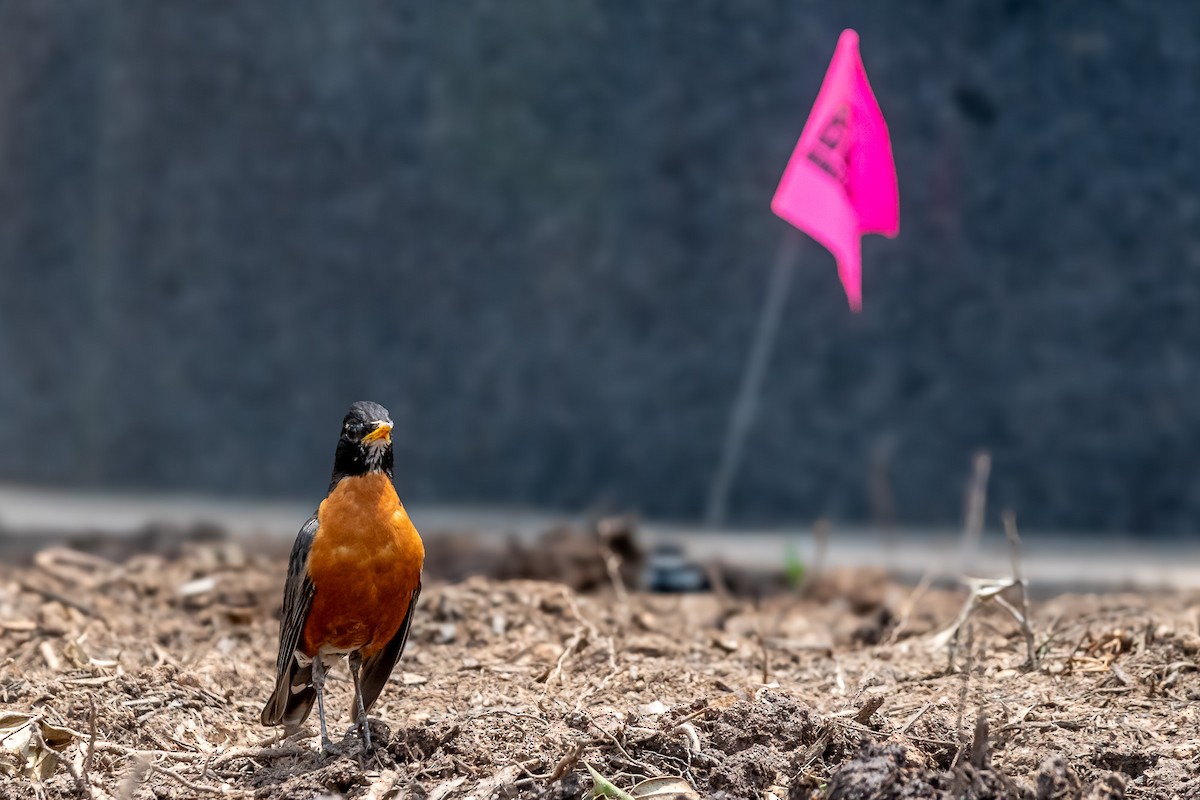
point(383, 430)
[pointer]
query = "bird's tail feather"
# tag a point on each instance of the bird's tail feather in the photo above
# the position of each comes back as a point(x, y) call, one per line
point(292, 701)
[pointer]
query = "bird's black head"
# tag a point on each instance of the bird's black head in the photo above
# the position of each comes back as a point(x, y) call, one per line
point(365, 444)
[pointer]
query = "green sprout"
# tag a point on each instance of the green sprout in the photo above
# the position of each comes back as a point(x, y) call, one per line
point(793, 565)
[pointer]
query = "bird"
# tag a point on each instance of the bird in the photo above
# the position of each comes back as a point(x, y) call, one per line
point(353, 579)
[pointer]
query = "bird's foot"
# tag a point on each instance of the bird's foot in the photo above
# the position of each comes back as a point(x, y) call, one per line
point(361, 730)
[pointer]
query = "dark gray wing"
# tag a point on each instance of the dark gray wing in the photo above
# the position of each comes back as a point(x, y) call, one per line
point(377, 668)
point(293, 697)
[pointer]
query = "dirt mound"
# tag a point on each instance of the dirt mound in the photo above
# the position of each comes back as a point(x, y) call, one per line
point(157, 668)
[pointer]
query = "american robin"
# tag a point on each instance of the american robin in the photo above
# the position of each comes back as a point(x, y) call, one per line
point(352, 584)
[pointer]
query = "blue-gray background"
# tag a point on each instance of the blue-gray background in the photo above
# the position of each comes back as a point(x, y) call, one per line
point(538, 232)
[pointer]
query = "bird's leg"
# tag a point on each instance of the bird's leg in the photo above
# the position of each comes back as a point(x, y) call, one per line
point(318, 676)
point(360, 713)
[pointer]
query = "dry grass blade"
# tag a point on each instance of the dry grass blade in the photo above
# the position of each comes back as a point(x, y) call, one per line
point(911, 602)
point(981, 468)
point(91, 746)
point(820, 532)
point(1022, 612)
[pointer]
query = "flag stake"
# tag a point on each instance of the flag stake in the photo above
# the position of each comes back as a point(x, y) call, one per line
point(744, 407)
point(839, 183)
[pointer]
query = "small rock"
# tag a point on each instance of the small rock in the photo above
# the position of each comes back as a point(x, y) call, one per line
point(1109, 787)
point(1056, 779)
point(652, 709)
point(54, 620)
point(728, 645)
point(1189, 643)
point(198, 586)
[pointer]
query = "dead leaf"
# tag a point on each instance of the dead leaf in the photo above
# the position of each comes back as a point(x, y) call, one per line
point(443, 790)
point(665, 788)
point(74, 651)
point(30, 746)
point(383, 787)
point(729, 645)
point(504, 777)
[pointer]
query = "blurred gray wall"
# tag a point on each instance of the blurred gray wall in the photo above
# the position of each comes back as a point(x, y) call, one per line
point(538, 232)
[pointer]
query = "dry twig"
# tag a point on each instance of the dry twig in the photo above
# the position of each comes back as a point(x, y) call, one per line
point(966, 683)
point(908, 724)
point(911, 602)
point(566, 763)
point(982, 591)
point(91, 747)
point(184, 782)
point(57, 597)
point(873, 704)
point(762, 644)
point(649, 769)
point(578, 638)
point(979, 756)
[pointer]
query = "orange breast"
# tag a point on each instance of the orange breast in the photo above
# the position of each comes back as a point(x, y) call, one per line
point(365, 563)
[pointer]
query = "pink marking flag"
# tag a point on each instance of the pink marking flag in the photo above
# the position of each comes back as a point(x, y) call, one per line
point(841, 180)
